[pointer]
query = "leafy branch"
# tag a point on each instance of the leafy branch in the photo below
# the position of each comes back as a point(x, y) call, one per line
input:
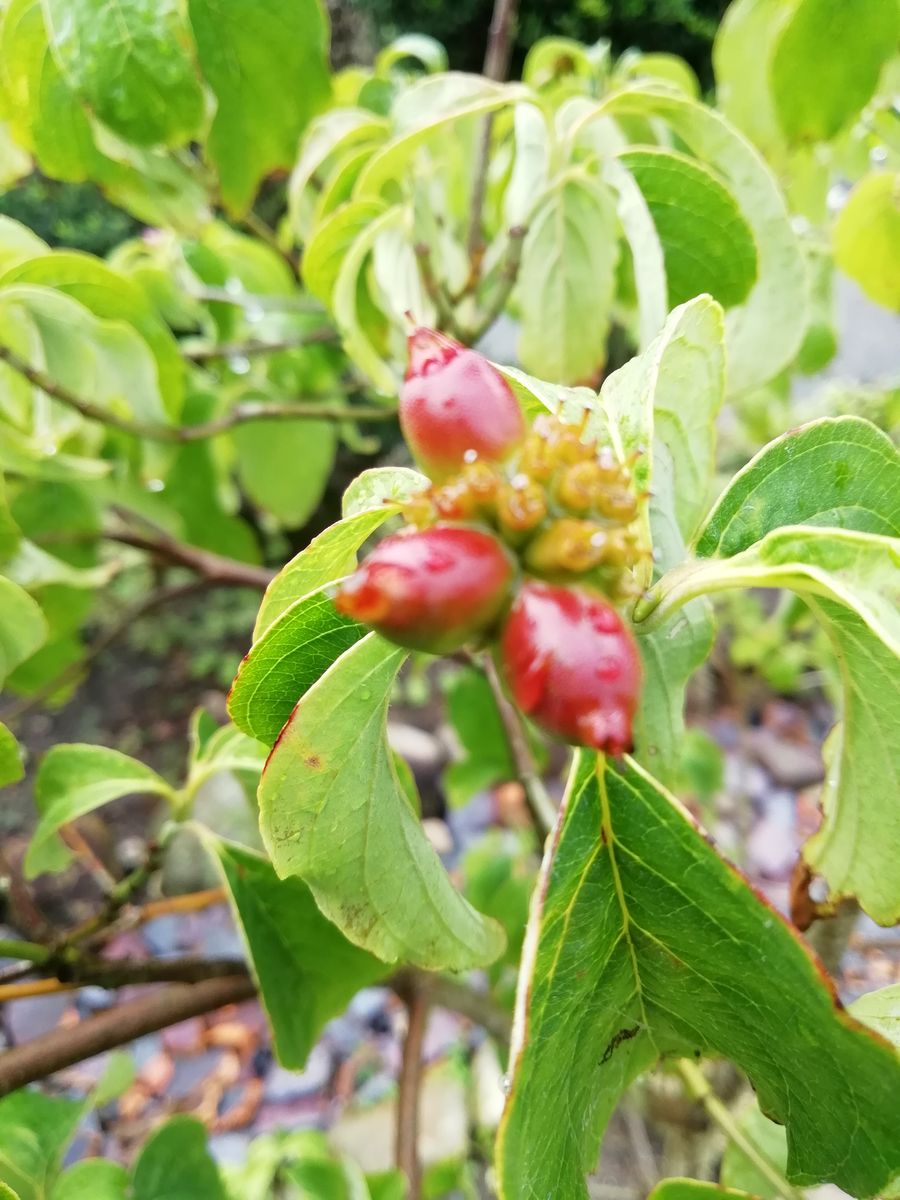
point(239, 415)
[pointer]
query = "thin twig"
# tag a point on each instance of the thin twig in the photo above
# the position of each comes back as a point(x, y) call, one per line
point(64, 1047)
point(509, 273)
point(700, 1089)
point(179, 434)
point(104, 878)
point(444, 992)
point(541, 807)
point(496, 65)
point(256, 346)
point(437, 294)
point(25, 913)
point(406, 1151)
point(119, 895)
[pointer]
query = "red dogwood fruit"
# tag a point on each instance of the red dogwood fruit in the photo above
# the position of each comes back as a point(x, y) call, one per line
point(455, 407)
point(572, 666)
point(434, 589)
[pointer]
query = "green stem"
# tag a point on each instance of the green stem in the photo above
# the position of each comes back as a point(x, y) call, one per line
point(30, 951)
point(700, 1089)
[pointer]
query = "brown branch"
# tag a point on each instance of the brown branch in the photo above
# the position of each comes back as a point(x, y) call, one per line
point(541, 807)
point(496, 65)
point(64, 1047)
point(444, 992)
point(219, 982)
point(257, 346)
point(406, 1147)
point(239, 415)
point(214, 569)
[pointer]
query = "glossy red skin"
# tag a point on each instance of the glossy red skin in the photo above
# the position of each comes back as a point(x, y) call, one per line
point(572, 666)
point(453, 402)
point(432, 590)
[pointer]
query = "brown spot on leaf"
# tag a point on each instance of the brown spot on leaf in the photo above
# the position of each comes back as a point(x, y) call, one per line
point(313, 762)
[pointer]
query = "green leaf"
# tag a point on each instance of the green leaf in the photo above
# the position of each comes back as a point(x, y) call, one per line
point(567, 280)
point(330, 556)
point(841, 472)
point(23, 627)
point(707, 243)
point(17, 241)
point(287, 659)
point(306, 969)
point(269, 454)
point(76, 779)
point(6, 1193)
point(425, 50)
point(855, 847)
point(44, 113)
point(827, 62)
point(130, 62)
point(175, 1165)
point(192, 489)
point(92, 1179)
point(226, 749)
point(32, 568)
point(742, 56)
point(880, 1010)
point(646, 943)
point(669, 656)
point(349, 314)
point(106, 362)
point(268, 67)
point(663, 404)
point(382, 488)
point(332, 812)
point(866, 238)
point(693, 1189)
point(647, 259)
point(10, 535)
point(12, 768)
point(330, 242)
point(422, 113)
point(858, 570)
point(111, 297)
point(531, 166)
point(537, 395)
point(765, 332)
point(331, 137)
point(34, 1133)
point(667, 399)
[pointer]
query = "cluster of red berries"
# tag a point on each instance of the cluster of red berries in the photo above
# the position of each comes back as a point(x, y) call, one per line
point(511, 518)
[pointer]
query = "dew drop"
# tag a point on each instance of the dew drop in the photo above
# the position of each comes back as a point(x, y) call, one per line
point(506, 1085)
point(470, 456)
point(155, 485)
point(519, 482)
point(878, 155)
point(365, 694)
point(239, 364)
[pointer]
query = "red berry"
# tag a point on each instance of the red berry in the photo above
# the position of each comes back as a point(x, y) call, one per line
point(572, 666)
point(455, 406)
point(433, 589)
